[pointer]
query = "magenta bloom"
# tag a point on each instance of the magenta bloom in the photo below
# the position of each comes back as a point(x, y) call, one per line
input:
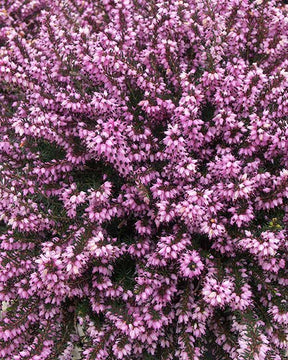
point(191, 264)
point(143, 179)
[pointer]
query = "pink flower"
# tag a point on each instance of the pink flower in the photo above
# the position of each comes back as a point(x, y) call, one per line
point(144, 181)
point(191, 264)
point(217, 293)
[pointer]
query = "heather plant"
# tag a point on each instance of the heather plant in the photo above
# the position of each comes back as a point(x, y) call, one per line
point(144, 179)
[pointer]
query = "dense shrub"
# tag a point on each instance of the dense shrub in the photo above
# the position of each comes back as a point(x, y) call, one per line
point(144, 179)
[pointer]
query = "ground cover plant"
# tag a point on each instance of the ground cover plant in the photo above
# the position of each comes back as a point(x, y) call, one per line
point(144, 179)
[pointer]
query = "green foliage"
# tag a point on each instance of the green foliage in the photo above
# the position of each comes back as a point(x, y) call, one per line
point(122, 229)
point(207, 112)
point(124, 272)
point(91, 175)
point(49, 151)
point(3, 227)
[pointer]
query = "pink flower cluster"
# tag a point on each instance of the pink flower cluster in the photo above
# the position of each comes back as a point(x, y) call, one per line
point(144, 179)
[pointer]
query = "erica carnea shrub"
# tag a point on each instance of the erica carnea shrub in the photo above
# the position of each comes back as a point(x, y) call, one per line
point(144, 179)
